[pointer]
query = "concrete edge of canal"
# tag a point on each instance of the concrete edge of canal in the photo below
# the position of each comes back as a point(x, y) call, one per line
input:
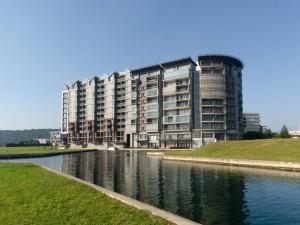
point(38, 155)
point(277, 165)
point(130, 201)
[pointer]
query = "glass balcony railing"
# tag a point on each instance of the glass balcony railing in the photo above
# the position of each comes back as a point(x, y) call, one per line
point(169, 119)
point(176, 74)
point(152, 92)
point(170, 90)
point(177, 119)
point(152, 127)
point(152, 114)
point(168, 105)
point(133, 95)
point(183, 119)
point(133, 108)
point(152, 106)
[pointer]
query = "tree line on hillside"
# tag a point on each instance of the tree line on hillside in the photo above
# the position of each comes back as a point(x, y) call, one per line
point(17, 136)
point(267, 134)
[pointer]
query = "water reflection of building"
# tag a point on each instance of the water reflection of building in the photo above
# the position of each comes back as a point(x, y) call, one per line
point(204, 194)
point(224, 198)
point(80, 165)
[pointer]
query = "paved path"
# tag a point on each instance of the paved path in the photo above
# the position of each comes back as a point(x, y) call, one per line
point(279, 165)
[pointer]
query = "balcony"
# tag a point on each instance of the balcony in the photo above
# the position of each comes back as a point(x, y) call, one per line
point(176, 119)
point(181, 89)
point(153, 114)
point(170, 90)
point(133, 115)
point(182, 84)
point(152, 92)
point(178, 74)
point(212, 118)
point(185, 97)
point(153, 80)
point(152, 127)
point(152, 106)
point(212, 110)
point(133, 95)
point(212, 126)
point(169, 105)
point(182, 118)
point(183, 104)
point(176, 127)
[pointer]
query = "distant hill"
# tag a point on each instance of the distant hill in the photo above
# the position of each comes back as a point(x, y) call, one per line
point(15, 136)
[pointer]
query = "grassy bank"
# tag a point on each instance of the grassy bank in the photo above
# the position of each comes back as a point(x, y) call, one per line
point(266, 149)
point(30, 150)
point(31, 195)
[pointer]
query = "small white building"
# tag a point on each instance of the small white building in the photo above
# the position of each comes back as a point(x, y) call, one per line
point(295, 133)
point(42, 141)
point(55, 137)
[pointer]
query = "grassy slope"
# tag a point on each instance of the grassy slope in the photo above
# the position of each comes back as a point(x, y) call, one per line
point(267, 149)
point(31, 195)
point(29, 150)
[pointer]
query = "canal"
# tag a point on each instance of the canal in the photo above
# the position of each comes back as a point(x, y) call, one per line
point(208, 194)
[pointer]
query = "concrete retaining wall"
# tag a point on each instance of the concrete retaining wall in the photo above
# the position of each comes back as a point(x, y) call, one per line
point(279, 165)
point(38, 155)
point(131, 202)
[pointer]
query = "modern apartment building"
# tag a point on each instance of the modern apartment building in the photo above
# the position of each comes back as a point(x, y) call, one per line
point(251, 122)
point(221, 97)
point(179, 103)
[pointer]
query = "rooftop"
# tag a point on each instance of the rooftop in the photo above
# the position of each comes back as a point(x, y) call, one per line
point(225, 58)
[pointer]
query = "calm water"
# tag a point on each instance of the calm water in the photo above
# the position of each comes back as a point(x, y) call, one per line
point(203, 193)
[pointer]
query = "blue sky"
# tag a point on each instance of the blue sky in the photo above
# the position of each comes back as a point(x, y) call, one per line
point(46, 44)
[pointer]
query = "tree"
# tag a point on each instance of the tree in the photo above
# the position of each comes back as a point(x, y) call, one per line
point(284, 133)
point(268, 133)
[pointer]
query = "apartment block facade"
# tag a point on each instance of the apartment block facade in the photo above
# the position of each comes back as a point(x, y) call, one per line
point(251, 122)
point(180, 103)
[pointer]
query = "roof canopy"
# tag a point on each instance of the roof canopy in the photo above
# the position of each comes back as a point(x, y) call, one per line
point(224, 58)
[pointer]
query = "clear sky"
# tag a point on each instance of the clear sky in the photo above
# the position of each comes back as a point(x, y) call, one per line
point(46, 44)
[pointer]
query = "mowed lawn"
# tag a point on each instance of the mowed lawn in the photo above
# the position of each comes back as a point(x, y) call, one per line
point(31, 195)
point(264, 149)
point(29, 150)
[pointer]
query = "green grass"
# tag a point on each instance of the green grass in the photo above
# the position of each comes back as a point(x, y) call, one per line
point(265, 149)
point(30, 150)
point(30, 195)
